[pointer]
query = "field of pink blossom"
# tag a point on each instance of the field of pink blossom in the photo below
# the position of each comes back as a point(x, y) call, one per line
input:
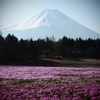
point(49, 83)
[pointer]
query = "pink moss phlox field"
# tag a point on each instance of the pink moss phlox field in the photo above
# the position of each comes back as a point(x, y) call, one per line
point(49, 83)
point(56, 92)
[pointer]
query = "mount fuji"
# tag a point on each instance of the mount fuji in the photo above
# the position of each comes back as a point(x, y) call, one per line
point(50, 22)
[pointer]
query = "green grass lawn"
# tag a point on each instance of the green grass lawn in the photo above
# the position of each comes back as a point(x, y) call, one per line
point(56, 62)
point(77, 63)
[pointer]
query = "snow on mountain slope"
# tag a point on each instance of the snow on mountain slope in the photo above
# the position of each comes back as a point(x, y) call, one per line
point(47, 17)
point(50, 22)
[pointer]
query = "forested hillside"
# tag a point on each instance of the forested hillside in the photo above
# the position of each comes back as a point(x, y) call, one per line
point(14, 50)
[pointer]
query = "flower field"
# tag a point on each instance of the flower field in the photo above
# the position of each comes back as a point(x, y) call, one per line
point(49, 83)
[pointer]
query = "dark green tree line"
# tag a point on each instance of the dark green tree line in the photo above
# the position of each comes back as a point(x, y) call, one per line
point(14, 50)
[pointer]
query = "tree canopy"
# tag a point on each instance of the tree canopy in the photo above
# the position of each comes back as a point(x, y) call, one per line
point(14, 50)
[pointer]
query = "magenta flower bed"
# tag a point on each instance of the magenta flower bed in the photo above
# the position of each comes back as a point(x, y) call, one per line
point(49, 83)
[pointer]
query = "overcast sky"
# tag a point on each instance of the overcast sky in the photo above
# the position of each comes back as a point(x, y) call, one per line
point(86, 12)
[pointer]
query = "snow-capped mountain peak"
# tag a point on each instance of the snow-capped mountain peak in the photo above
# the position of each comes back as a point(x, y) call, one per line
point(46, 17)
point(50, 22)
point(42, 18)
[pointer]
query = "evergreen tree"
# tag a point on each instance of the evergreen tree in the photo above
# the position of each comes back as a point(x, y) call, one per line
point(11, 48)
point(2, 49)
